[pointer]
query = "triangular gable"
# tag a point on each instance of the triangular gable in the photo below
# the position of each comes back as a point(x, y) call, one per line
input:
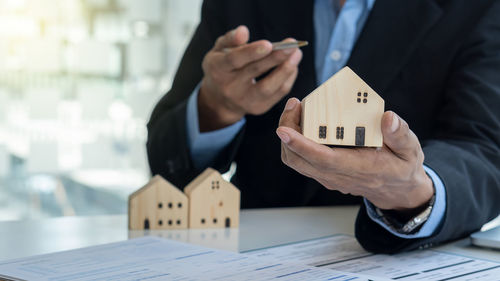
point(199, 180)
point(157, 179)
point(346, 74)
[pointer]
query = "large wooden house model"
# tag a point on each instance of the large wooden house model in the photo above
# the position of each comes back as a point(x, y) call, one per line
point(343, 111)
point(213, 202)
point(158, 205)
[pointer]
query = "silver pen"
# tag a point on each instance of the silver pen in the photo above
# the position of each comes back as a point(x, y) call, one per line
point(288, 45)
point(282, 45)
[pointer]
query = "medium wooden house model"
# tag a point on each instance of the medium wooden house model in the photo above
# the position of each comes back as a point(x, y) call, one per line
point(158, 205)
point(343, 111)
point(213, 202)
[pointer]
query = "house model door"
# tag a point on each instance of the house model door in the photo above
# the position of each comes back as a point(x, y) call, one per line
point(360, 136)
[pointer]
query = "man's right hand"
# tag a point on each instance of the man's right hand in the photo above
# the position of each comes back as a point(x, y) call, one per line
point(229, 89)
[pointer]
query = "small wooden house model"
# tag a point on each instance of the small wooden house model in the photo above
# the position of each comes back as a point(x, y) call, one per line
point(343, 111)
point(213, 202)
point(158, 205)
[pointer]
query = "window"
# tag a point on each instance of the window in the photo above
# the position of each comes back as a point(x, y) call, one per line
point(365, 99)
point(322, 132)
point(339, 133)
point(78, 81)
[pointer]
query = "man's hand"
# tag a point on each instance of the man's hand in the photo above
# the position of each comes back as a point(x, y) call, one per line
point(391, 177)
point(229, 89)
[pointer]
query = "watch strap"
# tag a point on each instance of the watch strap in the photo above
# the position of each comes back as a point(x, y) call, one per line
point(409, 226)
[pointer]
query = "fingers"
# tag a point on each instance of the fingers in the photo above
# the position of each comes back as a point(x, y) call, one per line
point(274, 81)
point(318, 155)
point(290, 120)
point(239, 57)
point(260, 67)
point(257, 68)
point(289, 133)
point(399, 138)
point(262, 95)
point(232, 38)
point(232, 52)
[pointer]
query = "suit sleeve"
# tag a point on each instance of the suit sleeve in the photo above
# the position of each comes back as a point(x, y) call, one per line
point(465, 151)
point(206, 146)
point(167, 145)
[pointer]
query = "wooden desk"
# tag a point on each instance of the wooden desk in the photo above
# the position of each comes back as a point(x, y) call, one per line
point(258, 228)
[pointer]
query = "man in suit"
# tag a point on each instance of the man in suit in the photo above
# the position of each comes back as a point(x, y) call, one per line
point(437, 70)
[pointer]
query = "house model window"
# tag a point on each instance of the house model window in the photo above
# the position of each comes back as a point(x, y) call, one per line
point(347, 104)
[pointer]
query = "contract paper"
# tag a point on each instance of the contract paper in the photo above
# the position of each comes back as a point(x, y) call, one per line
point(152, 258)
point(343, 253)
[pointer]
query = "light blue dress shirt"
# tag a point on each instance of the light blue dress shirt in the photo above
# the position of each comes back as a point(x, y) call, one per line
point(336, 30)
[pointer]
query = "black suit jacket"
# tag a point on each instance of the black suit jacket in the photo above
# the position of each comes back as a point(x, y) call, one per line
point(436, 64)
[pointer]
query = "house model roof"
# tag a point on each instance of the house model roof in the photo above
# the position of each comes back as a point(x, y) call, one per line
point(200, 179)
point(157, 179)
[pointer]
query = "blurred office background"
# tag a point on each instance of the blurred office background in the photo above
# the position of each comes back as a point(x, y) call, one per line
point(78, 81)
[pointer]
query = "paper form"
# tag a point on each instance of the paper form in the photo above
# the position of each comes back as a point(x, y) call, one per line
point(343, 253)
point(152, 258)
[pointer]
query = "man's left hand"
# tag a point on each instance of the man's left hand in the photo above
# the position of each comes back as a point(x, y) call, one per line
point(391, 177)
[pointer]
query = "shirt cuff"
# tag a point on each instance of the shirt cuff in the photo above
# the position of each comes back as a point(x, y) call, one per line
point(435, 218)
point(204, 147)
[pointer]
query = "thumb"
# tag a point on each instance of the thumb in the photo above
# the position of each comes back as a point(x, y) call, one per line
point(291, 115)
point(233, 38)
point(398, 137)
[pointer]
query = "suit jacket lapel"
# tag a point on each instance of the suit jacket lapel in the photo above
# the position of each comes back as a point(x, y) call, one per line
point(391, 33)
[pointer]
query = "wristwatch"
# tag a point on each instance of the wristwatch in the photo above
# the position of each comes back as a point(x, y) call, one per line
point(408, 227)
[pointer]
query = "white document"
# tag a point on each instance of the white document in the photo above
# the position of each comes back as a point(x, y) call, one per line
point(152, 258)
point(343, 253)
